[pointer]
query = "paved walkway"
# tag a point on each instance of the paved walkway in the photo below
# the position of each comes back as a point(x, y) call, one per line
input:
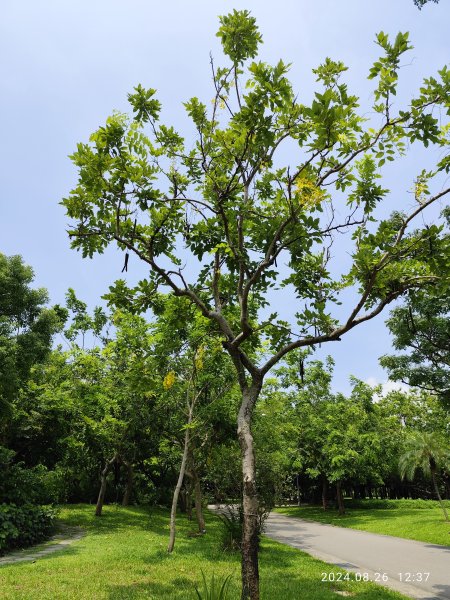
point(58, 542)
point(377, 555)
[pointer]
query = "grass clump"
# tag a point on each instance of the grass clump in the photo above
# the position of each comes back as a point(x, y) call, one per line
point(231, 535)
point(216, 590)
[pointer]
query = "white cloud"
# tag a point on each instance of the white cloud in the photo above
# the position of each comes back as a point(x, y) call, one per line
point(387, 386)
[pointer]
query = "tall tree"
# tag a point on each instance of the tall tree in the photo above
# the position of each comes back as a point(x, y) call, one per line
point(339, 439)
point(230, 207)
point(27, 326)
point(421, 326)
point(197, 383)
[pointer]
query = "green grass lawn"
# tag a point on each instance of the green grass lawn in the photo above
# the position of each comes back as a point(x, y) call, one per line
point(414, 520)
point(124, 556)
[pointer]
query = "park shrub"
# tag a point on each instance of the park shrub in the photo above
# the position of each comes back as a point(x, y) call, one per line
point(231, 534)
point(405, 503)
point(22, 526)
point(232, 518)
point(21, 485)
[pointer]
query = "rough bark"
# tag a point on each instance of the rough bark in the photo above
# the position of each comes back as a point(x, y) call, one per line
point(340, 498)
point(101, 494)
point(250, 504)
point(438, 495)
point(129, 485)
point(176, 493)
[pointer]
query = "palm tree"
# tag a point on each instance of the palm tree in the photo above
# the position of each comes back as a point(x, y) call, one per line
point(427, 452)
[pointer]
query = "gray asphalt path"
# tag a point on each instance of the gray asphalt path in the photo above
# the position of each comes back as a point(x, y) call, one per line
point(404, 563)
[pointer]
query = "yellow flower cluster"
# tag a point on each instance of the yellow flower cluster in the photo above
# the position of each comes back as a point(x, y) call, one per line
point(169, 380)
point(308, 194)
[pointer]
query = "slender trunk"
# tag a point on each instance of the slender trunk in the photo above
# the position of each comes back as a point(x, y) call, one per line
point(176, 493)
point(182, 499)
point(324, 493)
point(438, 495)
point(101, 494)
point(188, 484)
point(299, 498)
point(340, 498)
point(198, 499)
point(250, 504)
point(129, 486)
point(188, 501)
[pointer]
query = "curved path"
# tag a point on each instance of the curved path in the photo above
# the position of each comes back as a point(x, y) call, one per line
point(57, 542)
point(403, 563)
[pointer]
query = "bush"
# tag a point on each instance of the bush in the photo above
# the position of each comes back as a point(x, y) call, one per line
point(20, 485)
point(393, 504)
point(232, 518)
point(22, 526)
point(231, 534)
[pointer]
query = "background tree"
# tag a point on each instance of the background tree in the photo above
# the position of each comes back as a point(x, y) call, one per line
point(421, 326)
point(428, 452)
point(130, 386)
point(27, 327)
point(197, 385)
point(340, 440)
point(230, 207)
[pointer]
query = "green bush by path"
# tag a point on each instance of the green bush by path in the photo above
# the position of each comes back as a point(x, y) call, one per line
point(21, 526)
point(418, 504)
point(123, 556)
point(420, 520)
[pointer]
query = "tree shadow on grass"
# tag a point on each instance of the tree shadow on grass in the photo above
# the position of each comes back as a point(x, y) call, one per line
point(31, 555)
point(176, 589)
point(115, 518)
point(180, 588)
point(208, 548)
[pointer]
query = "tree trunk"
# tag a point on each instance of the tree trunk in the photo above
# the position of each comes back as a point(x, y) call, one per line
point(198, 504)
point(176, 493)
point(188, 500)
point(195, 482)
point(129, 484)
point(438, 495)
point(340, 498)
point(324, 493)
point(250, 504)
point(101, 494)
point(299, 498)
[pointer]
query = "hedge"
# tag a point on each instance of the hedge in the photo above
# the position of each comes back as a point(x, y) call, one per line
point(22, 526)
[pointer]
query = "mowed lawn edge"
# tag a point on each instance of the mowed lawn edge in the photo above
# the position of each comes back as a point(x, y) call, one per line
point(424, 524)
point(123, 556)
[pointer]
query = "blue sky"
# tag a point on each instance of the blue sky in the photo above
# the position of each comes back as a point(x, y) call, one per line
point(66, 65)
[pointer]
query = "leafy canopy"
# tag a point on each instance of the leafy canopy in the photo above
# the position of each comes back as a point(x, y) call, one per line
point(27, 326)
point(421, 327)
point(227, 221)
